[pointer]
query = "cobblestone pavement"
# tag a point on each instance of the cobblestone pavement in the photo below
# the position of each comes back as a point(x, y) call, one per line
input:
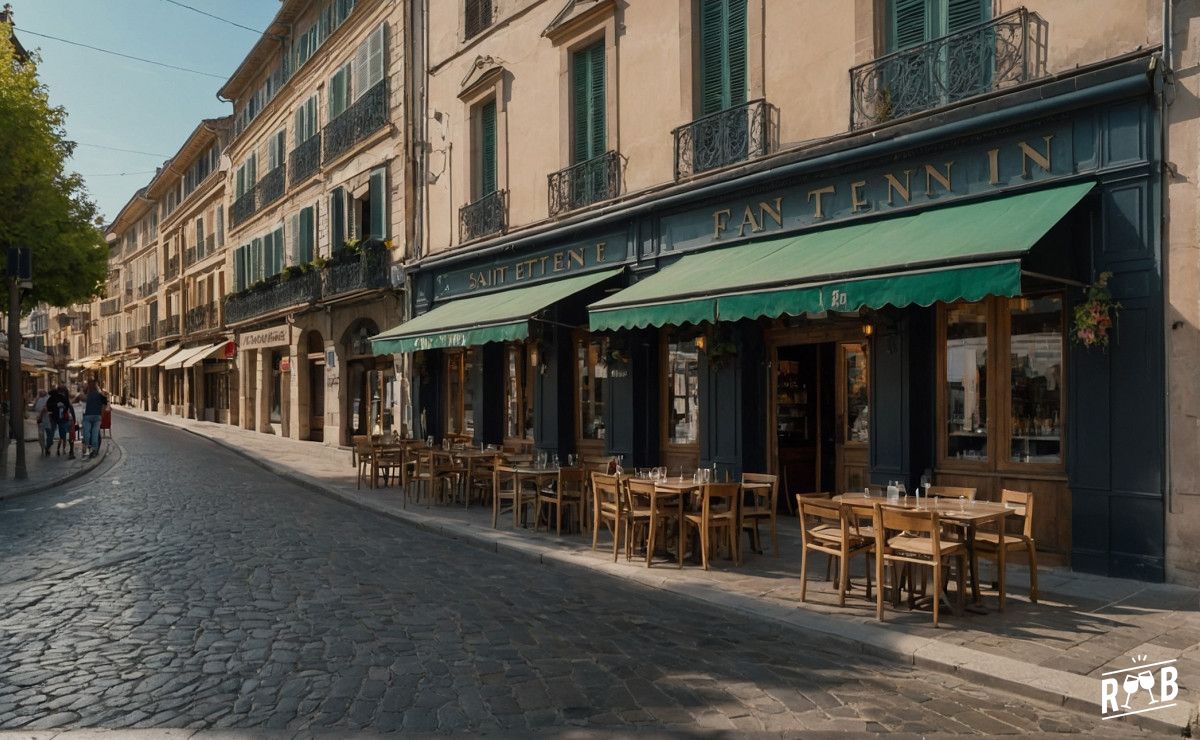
point(182, 586)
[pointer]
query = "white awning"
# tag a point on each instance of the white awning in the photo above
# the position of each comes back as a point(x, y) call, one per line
point(156, 358)
point(176, 362)
point(202, 356)
point(88, 362)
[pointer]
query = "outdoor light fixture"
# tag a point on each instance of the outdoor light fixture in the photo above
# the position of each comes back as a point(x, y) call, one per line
point(868, 329)
point(700, 341)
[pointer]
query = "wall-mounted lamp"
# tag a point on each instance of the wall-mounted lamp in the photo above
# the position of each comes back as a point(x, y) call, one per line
point(868, 329)
point(700, 341)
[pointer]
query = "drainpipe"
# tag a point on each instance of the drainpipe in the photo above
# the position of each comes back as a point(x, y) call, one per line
point(1167, 82)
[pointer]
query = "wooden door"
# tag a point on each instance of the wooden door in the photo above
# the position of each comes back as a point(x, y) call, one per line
point(316, 397)
point(853, 413)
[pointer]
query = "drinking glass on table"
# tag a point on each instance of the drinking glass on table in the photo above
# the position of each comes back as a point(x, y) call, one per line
point(554, 463)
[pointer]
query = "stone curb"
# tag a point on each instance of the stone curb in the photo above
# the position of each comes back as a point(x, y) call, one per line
point(1060, 688)
point(80, 472)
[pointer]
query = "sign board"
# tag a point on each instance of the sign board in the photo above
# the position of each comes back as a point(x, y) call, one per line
point(275, 336)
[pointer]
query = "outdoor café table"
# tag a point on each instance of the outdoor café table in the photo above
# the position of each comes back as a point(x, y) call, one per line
point(470, 456)
point(540, 477)
point(969, 514)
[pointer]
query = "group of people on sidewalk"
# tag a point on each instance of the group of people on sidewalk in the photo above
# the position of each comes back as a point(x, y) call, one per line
point(55, 413)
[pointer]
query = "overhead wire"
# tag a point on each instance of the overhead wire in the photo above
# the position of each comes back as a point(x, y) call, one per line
point(119, 149)
point(214, 17)
point(120, 54)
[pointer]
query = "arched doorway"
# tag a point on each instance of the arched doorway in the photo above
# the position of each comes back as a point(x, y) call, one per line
point(316, 386)
point(368, 383)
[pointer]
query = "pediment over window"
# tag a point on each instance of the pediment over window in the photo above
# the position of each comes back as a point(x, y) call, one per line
point(576, 14)
point(483, 73)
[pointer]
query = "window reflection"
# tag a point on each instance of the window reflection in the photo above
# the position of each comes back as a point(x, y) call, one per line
point(518, 393)
point(683, 390)
point(460, 401)
point(1036, 362)
point(966, 381)
point(857, 414)
point(591, 376)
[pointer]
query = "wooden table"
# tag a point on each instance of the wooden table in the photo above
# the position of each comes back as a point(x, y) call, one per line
point(470, 455)
point(968, 514)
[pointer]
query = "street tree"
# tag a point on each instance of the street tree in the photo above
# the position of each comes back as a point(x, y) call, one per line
point(44, 207)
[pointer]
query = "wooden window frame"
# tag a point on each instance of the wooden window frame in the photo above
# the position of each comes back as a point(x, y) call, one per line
point(585, 445)
point(463, 379)
point(669, 448)
point(999, 394)
point(527, 398)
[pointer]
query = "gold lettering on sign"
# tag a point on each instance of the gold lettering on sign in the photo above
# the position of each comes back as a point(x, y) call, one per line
point(932, 174)
point(575, 256)
point(720, 219)
point(519, 274)
point(858, 202)
point(993, 166)
point(748, 218)
point(558, 262)
point(817, 195)
point(895, 188)
point(776, 213)
point(1029, 153)
point(599, 253)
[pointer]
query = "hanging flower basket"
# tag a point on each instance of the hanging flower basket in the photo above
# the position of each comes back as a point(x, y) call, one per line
point(1095, 316)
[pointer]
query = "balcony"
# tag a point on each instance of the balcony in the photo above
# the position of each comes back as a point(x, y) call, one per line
point(148, 289)
point(172, 267)
point(488, 215)
point(275, 294)
point(201, 318)
point(267, 190)
point(210, 246)
point(979, 59)
point(131, 338)
point(305, 159)
point(146, 334)
point(110, 306)
point(112, 342)
point(733, 135)
point(189, 256)
point(367, 114)
point(168, 327)
point(351, 271)
point(593, 181)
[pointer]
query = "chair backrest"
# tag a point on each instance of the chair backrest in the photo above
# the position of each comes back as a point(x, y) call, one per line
point(765, 478)
point(504, 479)
point(895, 519)
point(815, 494)
point(571, 480)
point(602, 464)
point(719, 498)
point(638, 492)
point(607, 489)
point(517, 447)
point(362, 444)
point(816, 513)
point(953, 492)
point(1021, 502)
point(519, 458)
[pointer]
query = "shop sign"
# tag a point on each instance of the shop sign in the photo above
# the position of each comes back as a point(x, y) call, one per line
point(275, 336)
point(938, 177)
point(560, 260)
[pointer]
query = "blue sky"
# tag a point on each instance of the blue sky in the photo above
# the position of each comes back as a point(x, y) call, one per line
point(121, 103)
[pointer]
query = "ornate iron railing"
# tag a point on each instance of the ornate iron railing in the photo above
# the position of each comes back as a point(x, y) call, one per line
point(305, 159)
point(189, 256)
point(488, 215)
point(353, 125)
point(243, 207)
point(110, 306)
point(594, 180)
point(370, 270)
point(726, 137)
point(131, 338)
point(200, 318)
point(148, 289)
point(112, 341)
point(984, 57)
point(210, 246)
point(269, 188)
point(146, 334)
point(274, 295)
point(172, 267)
point(168, 327)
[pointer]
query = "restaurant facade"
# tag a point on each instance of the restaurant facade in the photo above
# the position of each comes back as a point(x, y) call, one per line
point(892, 304)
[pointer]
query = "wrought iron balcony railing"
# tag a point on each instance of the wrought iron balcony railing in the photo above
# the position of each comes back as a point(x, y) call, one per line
point(975, 60)
point(189, 256)
point(112, 341)
point(201, 318)
point(353, 125)
point(172, 267)
point(269, 188)
point(168, 327)
point(488, 215)
point(148, 289)
point(305, 159)
point(368, 270)
point(733, 135)
point(592, 181)
point(146, 334)
point(110, 306)
point(276, 294)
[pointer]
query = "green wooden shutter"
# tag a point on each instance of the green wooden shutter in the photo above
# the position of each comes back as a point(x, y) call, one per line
point(278, 266)
point(961, 14)
point(736, 54)
point(587, 95)
point(378, 198)
point(305, 240)
point(723, 55)
point(487, 148)
point(908, 25)
point(337, 219)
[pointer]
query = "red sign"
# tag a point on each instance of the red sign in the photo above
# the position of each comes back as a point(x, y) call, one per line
point(229, 351)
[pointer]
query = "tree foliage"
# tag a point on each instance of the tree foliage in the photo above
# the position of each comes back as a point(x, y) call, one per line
point(42, 206)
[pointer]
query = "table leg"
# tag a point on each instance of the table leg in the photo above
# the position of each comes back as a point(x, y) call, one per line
point(1000, 564)
point(971, 562)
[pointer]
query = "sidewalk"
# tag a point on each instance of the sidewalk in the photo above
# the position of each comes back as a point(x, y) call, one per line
point(1053, 651)
point(44, 473)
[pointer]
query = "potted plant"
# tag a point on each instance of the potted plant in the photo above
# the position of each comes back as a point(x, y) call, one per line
point(1094, 317)
point(722, 348)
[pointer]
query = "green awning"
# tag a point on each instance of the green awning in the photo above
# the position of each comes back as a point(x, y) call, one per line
point(495, 317)
point(945, 254)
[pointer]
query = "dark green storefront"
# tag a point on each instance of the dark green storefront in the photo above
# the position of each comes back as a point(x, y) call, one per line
point(958, 244)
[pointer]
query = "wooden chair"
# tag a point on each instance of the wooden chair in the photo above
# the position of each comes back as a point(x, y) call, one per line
point(718, 514)
point(518, 458)
point(832, 529)
point(361, 456)
point(567, 490)
point(988, 544)
point(449, 475)
point(420, 484)
point(479, 483)
point(602, 464)
point(505, 486)
point(953, 492)
point(388, 463)
point(762, 508)
point(607, 507)
point(356, 442)
point(906, 537)
point(647, 513)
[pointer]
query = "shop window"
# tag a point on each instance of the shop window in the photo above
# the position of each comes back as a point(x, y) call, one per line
point(518, 392)
point(682, 392)
point(1035, 355)
point(591, 376)
point(855, 414)
point(460, 401)
point(966, 351)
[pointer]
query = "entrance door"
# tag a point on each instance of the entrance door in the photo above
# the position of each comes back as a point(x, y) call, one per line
point(316, 387)
point(852, 416)
point(804, 417)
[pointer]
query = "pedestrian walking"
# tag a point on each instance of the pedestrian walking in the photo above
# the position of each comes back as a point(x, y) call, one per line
point(39, 415)
point(62, 416)
point(94, 404)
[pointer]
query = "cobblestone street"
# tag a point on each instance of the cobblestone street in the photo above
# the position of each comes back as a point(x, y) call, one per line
point(182, 586)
